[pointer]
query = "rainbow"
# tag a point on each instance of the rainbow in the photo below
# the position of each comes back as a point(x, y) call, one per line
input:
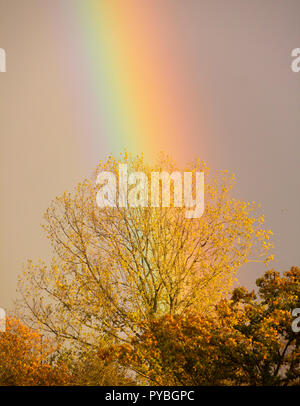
point(125, 77)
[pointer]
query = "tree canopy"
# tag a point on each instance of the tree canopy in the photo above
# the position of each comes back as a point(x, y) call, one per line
point(115, 266)
point(248, 340)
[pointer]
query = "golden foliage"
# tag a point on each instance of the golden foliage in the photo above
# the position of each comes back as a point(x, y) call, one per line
point(114, 266)
point(24, 358)
point(247, 341)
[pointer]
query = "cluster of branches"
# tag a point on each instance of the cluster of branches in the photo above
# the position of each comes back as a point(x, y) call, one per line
point(142, 293)
point(247, 340)
point(116, 266)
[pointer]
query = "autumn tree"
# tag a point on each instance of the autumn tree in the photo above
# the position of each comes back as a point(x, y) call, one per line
point(115, 266)
point(25, 358)
point(266, 350)
point(87, 369)
point(172, 350)
point(248, 340)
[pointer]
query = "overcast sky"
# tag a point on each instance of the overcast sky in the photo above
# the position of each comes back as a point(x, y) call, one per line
point(236, 54)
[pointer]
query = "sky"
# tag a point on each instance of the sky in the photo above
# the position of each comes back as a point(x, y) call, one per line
point(201, 78)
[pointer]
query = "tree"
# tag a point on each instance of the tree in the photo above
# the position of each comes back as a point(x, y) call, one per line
point(266, 350)
point(25, 358)
point(247, 341)
point(87, 369)
point(115, 266)
point(172, 350)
